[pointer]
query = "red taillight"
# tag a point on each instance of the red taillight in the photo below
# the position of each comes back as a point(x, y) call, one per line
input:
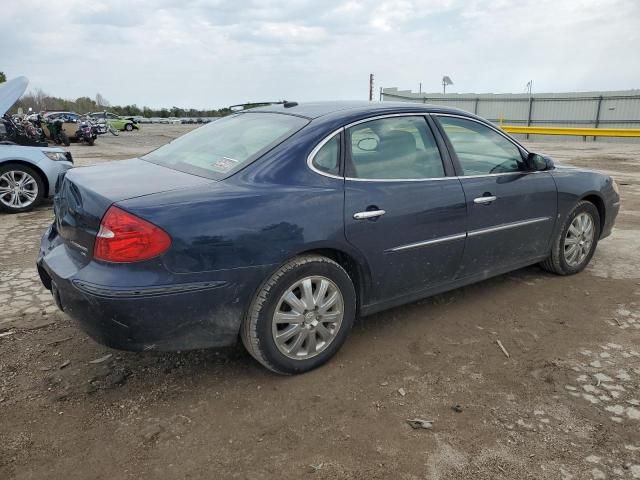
point(123, 238)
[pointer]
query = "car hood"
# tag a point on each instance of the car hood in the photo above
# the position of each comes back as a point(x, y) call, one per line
point(10, 92)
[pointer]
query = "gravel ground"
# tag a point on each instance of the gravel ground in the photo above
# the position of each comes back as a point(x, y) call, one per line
point(565, 405)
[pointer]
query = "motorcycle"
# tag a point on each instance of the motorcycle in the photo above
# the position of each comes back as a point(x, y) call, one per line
point(35, 126)
point(56, 132)
point(20, 133)
point(87, 132)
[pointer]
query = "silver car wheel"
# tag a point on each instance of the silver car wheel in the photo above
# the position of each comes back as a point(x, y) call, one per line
point(308, 317)
point(579, 239)
point(18, 189)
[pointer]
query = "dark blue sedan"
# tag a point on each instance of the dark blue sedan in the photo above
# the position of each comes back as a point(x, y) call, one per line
point(282, 223)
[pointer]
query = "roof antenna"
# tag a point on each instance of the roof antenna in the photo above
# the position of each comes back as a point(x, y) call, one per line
point(288, 104)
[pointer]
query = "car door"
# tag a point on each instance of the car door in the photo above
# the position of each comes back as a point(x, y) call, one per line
point(115, 121)
point(404, 207)
point(511, 209)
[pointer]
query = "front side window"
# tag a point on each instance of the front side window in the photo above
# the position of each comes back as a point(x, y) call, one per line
point(393, 148)
point(480, 149)
point(327, 159)
point(224, 146)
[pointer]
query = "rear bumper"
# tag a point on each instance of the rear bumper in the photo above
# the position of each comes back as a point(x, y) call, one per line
point(168, 316)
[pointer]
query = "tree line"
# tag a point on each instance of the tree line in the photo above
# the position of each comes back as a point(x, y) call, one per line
point(40, 101)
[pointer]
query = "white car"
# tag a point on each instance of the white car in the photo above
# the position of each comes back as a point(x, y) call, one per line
point(27, 174)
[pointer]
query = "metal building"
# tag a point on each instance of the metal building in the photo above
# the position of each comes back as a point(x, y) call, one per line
point(614, 109)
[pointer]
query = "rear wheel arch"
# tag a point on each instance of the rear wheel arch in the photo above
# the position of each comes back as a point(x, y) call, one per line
point(357, 270)
point(33, 167)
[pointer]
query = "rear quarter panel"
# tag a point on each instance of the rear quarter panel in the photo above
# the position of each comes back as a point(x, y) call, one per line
point(231, 226)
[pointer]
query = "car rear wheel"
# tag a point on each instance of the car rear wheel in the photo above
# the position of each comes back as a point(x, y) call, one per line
point(576, 242)
point(21, 188)
point(301, 315)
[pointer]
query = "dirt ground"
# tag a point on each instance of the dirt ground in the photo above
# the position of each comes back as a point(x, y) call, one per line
point(565, 405)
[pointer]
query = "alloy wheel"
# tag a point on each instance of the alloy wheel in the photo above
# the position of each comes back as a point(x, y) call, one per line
point(18, 189)
point(579, 239)
point(308, 317)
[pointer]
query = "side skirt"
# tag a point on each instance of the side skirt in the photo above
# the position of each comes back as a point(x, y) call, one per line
point(434, 290)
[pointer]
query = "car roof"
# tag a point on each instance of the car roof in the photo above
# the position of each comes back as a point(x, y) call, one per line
point(313, 110)
point(58, 112)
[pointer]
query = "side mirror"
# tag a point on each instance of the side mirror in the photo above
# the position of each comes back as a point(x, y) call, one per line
point(537, 162)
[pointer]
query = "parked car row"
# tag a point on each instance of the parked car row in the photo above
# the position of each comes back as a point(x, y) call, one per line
point(28, 174)
point(172, 120)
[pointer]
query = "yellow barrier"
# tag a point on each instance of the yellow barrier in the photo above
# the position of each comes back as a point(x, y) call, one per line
point(575, 131)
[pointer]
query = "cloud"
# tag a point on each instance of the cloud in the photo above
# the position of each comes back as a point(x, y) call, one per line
point(211, 53)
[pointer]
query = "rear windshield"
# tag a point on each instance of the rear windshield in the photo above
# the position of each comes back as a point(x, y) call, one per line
point(226, 145)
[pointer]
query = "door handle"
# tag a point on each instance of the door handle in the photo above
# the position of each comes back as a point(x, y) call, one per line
point(485, 200)
point(368, 214)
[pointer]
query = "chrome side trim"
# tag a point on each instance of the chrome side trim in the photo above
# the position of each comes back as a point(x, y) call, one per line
point(434, 241)
point(505, 226)
point(462, 177)
point(365, 120)
point(410, 114)
point(472, 233)
point(317, 148)
point(399, 179)
point(388, 115)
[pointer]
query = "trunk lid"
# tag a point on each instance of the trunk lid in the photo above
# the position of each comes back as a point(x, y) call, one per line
point(83, 195)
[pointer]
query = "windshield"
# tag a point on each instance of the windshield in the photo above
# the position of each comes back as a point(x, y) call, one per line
point(226, 145)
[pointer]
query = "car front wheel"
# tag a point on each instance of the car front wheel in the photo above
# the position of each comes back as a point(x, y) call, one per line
point(576, 242)
point(128, 127)
point(301, 315)
point(21, 188)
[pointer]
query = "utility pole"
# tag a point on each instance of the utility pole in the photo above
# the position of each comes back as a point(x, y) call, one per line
point(371, 87)
point(420, 88)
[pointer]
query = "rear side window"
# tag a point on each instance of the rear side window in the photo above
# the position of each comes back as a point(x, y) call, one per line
point(394, 148)
point(480, 149)
point(327, 159)
point(226, 145)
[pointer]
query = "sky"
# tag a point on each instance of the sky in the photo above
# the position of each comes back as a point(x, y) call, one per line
point(214, 53)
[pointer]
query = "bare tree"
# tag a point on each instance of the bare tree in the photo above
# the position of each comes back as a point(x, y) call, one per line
point(39, 99)
point(101, 101)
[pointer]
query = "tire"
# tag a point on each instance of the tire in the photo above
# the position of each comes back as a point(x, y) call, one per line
point(559, 261)
point(37, 187)
point(90, 141)
point(259, 328)
point(128, 127)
